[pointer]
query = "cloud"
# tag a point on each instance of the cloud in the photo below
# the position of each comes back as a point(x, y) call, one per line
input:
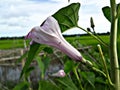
point(74, 31)
point(17, 17)
point(21, 15)
point(93, 8)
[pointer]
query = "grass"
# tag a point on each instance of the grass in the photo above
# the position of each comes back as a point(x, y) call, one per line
point(11, 44)
point(83, 40)
point(88, 40)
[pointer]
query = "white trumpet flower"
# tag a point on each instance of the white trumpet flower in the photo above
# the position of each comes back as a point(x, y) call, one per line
point(49, 33)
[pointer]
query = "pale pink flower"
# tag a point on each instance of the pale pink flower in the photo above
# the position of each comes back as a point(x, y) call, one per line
point(60, 73)
point(49, 33)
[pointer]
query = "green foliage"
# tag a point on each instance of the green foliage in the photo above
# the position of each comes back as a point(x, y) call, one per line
point(43, 64)
point(48, 50)
point(47, 85)
point(75, 79)
point(66, 83)
point(66, 20)
point(89, 77)
point(22, 57)
point(28, 71)
point(68, 66)
point(85, 40)
point(31, 54)
point(88, 41)
point(11, 43)
point(46, 61)
point(68, 16)
point(22, 86)
point(107, 13)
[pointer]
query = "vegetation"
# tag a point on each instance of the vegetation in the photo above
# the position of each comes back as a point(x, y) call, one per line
point(85, 40)
point(94, 69)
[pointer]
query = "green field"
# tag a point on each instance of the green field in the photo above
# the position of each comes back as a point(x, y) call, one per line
point(88, 40)
point(82, 40)
point(12, 43)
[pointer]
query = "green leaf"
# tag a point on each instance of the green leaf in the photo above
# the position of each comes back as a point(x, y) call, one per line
point(89, 76)
point(67, 83)
point(106, 11)
point(48, 50)
point(100, 80)
point(118, 10)
point(22, 86)
point(28, 71)
point(46, 85)
point(68, 16)
point(68, 66)
point(22, 57)
point(31, 54)
point(46, 61)
point(41, 66)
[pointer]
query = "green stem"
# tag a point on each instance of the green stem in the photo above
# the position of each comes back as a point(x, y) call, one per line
point(90, 65)
point(105, 66)
point(99, 71)
point(93, 36)
point(113, 47)
point(100, 38)
point(76, 74)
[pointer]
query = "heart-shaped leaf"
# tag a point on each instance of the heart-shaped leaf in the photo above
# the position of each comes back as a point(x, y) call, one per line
point(67, 17)
point(106, 11)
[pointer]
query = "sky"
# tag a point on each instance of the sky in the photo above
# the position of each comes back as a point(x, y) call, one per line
point(17, 17)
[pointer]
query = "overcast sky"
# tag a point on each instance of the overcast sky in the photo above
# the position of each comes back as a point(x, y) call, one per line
point(17, 17)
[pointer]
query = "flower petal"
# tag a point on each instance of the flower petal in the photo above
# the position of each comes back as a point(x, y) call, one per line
point(51, 26)
point(49, 33)
point(60, 73)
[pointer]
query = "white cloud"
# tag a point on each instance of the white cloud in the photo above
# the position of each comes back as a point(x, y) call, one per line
point(17, 17)
point(21, 15)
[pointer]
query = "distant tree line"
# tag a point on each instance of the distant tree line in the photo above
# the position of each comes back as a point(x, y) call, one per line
point(72, 35)
point(7, 38)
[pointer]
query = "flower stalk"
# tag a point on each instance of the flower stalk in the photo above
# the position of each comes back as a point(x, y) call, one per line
point(93, 36)
point(104, 65)
point(113, 47)
point(78, 78)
